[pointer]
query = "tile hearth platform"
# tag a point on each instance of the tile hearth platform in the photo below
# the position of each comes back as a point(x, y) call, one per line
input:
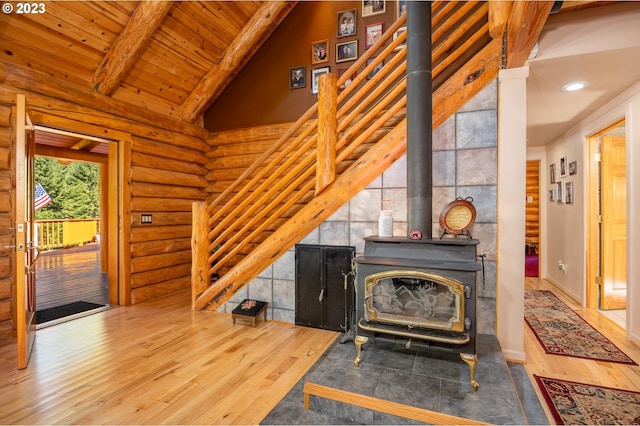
point(436, 381)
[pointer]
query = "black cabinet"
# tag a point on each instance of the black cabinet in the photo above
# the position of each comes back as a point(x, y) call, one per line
point(321, 298)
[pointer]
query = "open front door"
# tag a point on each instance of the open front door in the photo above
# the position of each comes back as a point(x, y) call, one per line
point(25, 250)
point(614, 223)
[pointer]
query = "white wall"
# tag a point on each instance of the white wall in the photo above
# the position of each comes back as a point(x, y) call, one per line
point(565, 232)
point(512, 146)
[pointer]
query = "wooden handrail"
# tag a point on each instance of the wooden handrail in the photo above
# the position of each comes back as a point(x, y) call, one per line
point(282, 176)
point(273, 203)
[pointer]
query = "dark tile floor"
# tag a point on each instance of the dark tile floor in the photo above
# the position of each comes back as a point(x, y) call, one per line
point(436, 381)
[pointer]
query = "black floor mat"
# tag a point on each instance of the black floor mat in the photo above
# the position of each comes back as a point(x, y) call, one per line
point(51, 314)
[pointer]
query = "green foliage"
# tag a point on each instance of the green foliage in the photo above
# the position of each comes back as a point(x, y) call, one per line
point(74, 187)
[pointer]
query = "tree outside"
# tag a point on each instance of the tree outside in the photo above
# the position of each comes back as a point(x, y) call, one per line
point(73, 186)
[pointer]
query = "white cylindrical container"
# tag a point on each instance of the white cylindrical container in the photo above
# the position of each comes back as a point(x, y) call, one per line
point(385, 224)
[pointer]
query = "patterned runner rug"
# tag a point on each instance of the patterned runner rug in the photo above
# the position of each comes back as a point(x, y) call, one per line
point(561, 331)
point(580, 403)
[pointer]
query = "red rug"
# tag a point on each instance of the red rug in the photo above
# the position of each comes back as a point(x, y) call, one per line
point(561, 331)
point(584, 404)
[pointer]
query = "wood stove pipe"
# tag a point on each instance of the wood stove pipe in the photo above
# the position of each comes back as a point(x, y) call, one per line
point(419, 120)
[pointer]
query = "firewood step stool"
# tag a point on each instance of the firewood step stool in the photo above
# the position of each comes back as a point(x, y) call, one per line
point(250, 309)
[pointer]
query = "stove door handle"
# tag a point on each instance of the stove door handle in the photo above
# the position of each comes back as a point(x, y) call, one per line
point(321, 296)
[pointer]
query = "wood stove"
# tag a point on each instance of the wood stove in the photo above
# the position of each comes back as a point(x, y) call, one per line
point(418, 293)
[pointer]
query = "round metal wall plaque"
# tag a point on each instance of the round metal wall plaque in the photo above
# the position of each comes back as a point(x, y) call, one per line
point(458, 216)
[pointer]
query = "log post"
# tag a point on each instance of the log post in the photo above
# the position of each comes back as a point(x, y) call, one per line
point(327, 130)
point(200, 278)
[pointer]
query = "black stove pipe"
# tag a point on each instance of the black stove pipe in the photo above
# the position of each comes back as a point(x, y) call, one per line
point(419, 120)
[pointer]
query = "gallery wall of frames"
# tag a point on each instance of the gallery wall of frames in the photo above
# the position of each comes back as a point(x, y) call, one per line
point(281, 80)
point(561, 181)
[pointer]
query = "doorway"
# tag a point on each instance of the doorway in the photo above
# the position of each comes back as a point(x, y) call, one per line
point(73, 271)
point(606, 260)
point(532, 220)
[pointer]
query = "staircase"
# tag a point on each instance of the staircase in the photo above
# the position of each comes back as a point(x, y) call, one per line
point(355, 132)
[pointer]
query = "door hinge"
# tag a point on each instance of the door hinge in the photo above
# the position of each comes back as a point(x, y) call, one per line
point(599, 218)
point(599, 281)
point(597, 157)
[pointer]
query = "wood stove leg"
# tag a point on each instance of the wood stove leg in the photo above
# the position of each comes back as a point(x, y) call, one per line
point(359, 341)
point(472, 360)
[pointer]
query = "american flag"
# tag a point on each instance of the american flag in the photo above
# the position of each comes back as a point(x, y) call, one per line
point(42, 198)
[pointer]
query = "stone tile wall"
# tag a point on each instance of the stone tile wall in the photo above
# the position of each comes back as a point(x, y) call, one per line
point(464, 165)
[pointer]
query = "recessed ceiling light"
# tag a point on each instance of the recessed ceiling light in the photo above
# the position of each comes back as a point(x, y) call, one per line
point(576, 85)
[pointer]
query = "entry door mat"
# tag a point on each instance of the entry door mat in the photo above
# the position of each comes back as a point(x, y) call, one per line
point(561, 331)
point(69, 309)
point(584, 404)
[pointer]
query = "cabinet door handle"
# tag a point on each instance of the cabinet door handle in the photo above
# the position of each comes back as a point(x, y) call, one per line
point(321, 296)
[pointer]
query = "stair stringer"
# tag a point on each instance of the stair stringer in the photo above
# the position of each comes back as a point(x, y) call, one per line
point(377, 159)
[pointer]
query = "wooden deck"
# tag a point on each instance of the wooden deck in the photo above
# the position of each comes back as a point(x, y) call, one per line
point(70, 275)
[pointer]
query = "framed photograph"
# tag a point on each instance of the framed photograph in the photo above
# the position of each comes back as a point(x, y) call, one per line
point(568, 192)
point(297, 77)
point(347, 81)
point(320, 51)
point(315, 73)
point(347, 51)
point(373, 7)
point(372, 33)
point(551, 195)
point(397, 34)
point(559, 192)
point(401, 8)
point(573, 168)
point(552, 173)
point(375, 70)
point(563, 166)
point(347, 23)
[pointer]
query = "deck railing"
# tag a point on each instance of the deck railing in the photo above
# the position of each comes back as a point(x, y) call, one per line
point(61, 233)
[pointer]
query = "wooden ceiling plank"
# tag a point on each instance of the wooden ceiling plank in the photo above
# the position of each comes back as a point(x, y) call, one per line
point(152, 83)
point(525, 23)
point(147, 100)
point(224, 19)
point(175, 39)
point(27, 57)
point(250, 38)
point(146, 18)
point(195, 33)
point(41, 83)
point(195, 16)
point(101, 19)
point(37, 36)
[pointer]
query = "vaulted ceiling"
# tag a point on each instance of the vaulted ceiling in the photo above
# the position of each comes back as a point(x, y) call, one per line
point(169, 58)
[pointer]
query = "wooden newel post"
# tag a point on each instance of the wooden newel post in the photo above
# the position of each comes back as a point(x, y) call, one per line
point(200, 278)
point(327, 130)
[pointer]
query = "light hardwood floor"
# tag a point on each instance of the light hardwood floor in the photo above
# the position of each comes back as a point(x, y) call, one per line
point(582, 370)
point(157, 363)
point(161, 363)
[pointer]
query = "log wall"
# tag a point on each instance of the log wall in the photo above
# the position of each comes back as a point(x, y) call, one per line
point(532, 216)
point(166, 172)
point(6, 221)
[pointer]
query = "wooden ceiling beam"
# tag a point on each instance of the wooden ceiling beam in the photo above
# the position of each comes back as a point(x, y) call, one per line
point(237, 54)
point(126, 48)
point(523, 29)
point(498, 16)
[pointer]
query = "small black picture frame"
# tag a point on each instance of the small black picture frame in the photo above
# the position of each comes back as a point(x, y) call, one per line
point(297, 77)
